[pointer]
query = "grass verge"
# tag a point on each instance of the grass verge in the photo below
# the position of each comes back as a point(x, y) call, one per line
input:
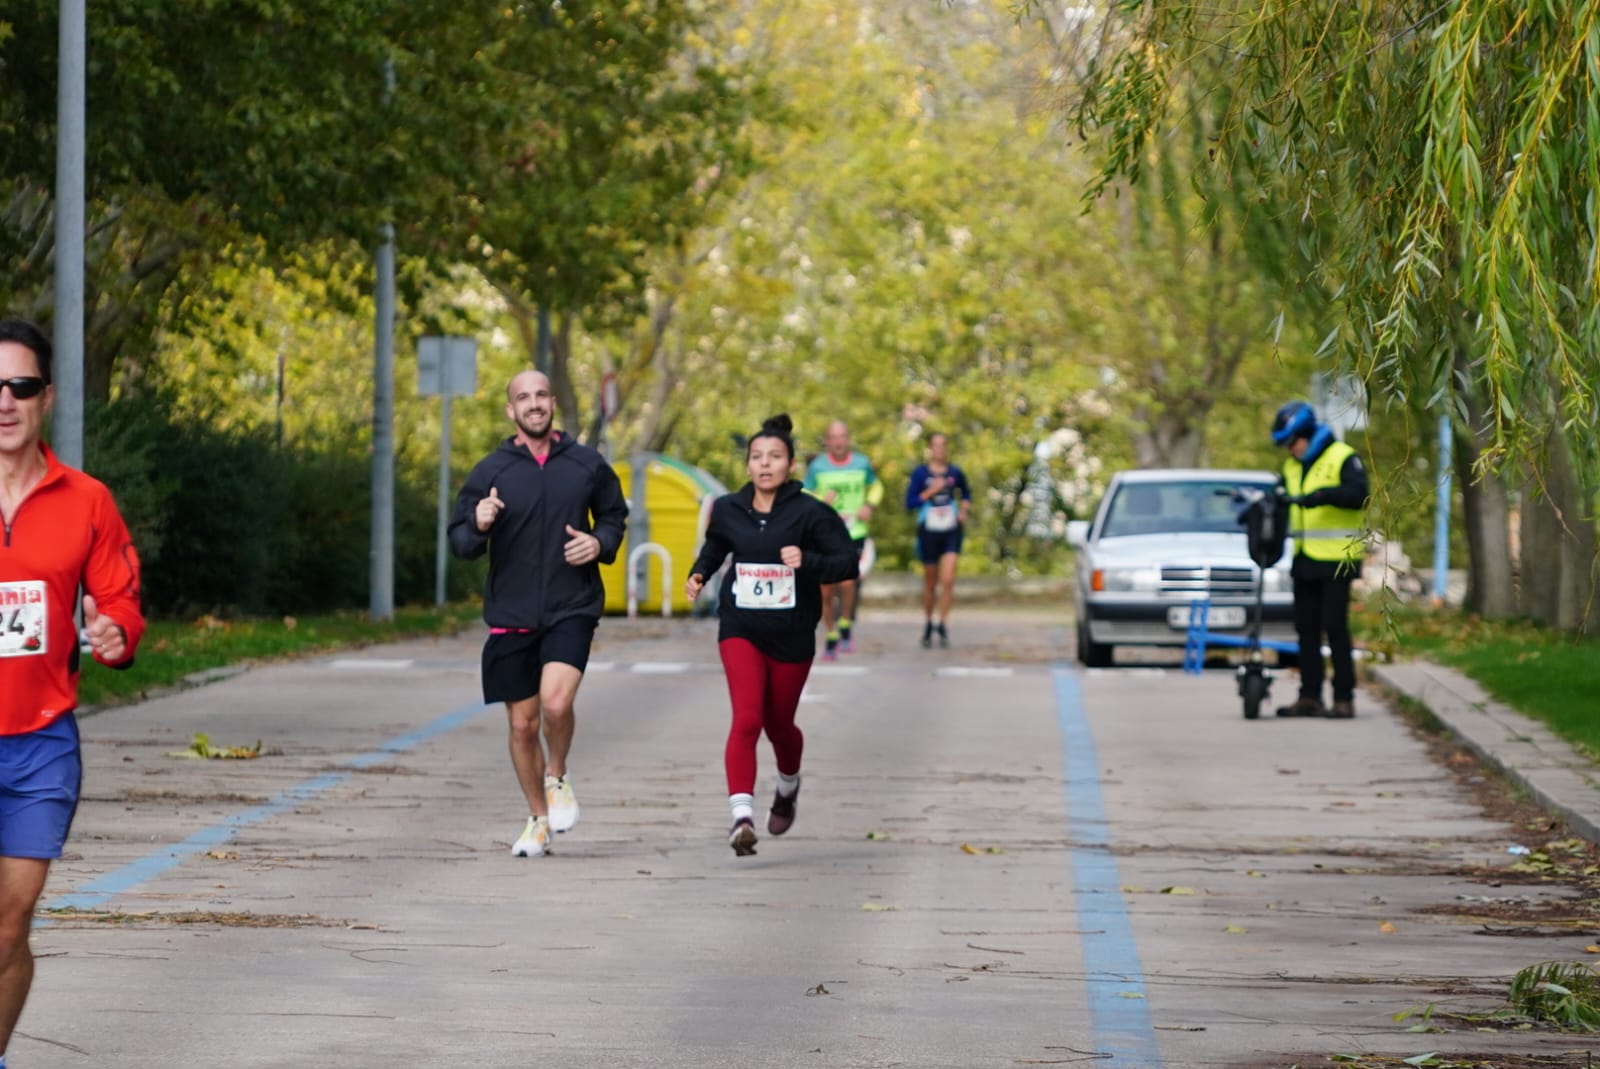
point(172, 650)
point(1551, 676)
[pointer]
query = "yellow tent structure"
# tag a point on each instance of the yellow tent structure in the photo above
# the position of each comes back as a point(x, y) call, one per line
point(668, 504)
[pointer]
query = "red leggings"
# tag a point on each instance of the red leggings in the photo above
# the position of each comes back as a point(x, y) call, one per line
point(765, 694)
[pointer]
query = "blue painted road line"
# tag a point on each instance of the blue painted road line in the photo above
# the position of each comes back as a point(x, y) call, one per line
point(1119, 1011)
point(120, 881)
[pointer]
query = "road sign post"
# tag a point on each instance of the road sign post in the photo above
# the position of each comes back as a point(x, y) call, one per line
point(447, 366)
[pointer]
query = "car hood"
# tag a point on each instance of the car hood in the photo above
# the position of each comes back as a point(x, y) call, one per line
point(1158, 549)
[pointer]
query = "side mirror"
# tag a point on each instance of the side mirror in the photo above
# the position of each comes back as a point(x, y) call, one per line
point(1078, 533)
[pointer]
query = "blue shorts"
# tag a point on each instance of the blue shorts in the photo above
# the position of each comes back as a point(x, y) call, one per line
point(41, 773)
point(931, 545)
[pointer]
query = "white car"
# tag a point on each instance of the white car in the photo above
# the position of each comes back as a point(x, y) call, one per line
point(1162, 541)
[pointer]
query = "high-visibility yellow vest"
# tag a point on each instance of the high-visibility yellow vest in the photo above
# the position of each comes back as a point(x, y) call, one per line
point(1325, 532)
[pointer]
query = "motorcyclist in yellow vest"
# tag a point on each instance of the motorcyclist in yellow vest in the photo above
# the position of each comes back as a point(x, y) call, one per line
point(1327, 489)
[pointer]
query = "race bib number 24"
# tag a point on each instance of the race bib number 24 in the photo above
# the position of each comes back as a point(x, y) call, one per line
point(24, 618)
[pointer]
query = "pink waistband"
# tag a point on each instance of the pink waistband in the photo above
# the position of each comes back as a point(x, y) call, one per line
point(510, 630)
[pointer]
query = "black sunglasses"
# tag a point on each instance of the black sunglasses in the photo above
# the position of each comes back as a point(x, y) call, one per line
point(25, 387)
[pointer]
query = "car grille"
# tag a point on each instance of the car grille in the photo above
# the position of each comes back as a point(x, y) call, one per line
point(1217, 581)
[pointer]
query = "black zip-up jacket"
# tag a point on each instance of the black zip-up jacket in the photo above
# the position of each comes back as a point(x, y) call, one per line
point(826, 556)
point(530, 584)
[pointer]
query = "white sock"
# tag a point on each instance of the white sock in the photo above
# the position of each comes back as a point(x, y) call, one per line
point(743, 806)
point(787, 786)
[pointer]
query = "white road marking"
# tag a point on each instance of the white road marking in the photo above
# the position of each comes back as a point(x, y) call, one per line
point(359, 663)
point(838, 670)
point(968, 671)
point(661, 667)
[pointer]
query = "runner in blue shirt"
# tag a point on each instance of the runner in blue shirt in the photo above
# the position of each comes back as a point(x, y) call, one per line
point(942, 499)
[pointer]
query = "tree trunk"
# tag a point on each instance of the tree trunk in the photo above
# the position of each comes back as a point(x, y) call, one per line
point(561, 374)
point(1487, 504)
point(1168, 441)
point(1558, 543)
point(652, 419)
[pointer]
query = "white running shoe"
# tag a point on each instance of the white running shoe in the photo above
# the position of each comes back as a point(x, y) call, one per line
point(742, 837)
point(563, 803)
point(535, 839)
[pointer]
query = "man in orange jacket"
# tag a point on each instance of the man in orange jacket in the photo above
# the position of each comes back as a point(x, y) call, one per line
point(63, 540)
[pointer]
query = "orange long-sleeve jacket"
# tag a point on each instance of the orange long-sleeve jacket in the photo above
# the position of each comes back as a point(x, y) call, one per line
point(66, 535)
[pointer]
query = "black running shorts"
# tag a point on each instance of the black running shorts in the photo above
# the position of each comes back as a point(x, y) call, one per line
point(513, 661)
point(931, 545)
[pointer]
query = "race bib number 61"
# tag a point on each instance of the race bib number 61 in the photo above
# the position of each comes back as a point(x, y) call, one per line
point(764, 586)
point(24, 618)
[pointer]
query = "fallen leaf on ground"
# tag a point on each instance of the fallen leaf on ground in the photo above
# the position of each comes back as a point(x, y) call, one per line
point(200, 746)
point(1177, 890)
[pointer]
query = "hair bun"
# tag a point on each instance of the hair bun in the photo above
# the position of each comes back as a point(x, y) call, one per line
point(780, 423)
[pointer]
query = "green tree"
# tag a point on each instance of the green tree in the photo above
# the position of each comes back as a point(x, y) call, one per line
point(1438, 161)
point(872, 271)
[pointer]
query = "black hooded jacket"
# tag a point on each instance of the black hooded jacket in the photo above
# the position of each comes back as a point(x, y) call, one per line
point(755, 538)
point(530, 584)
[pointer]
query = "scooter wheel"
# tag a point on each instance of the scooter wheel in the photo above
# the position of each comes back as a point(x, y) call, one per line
point(1253, 689)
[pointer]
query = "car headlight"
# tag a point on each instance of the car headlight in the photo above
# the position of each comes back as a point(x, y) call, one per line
point(1126, 579)
point(1276, 581)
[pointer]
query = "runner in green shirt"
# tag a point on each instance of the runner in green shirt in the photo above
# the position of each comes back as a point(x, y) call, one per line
point(846, 480)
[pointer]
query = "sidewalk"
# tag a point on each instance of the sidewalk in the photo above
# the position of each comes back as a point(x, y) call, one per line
point(1556, 775)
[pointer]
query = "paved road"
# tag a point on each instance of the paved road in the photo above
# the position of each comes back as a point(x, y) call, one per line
point(999, 861)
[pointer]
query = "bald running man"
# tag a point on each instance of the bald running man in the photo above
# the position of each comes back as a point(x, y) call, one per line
point(549, 512)
point(846, 480)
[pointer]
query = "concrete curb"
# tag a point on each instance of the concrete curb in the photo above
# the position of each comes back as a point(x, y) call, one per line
point(188, 682)
point(1551, 770)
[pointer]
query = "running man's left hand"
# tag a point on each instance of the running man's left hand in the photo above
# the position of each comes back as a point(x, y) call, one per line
point(864, 513)
point(790, 555)
point(105, 635)
point(582, 548)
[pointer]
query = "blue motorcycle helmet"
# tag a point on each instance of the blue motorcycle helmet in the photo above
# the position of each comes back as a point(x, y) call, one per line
point(1297, 419)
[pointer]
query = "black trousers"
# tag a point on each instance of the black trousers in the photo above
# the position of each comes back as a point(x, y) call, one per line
point(1322, 608)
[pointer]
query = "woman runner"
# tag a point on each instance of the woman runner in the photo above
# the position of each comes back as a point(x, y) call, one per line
point(785, 544)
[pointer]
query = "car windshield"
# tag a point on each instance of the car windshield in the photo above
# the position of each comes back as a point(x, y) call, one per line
point(1189, 506)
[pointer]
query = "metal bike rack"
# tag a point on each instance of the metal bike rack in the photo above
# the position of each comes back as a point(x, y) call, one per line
point(657, 550)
